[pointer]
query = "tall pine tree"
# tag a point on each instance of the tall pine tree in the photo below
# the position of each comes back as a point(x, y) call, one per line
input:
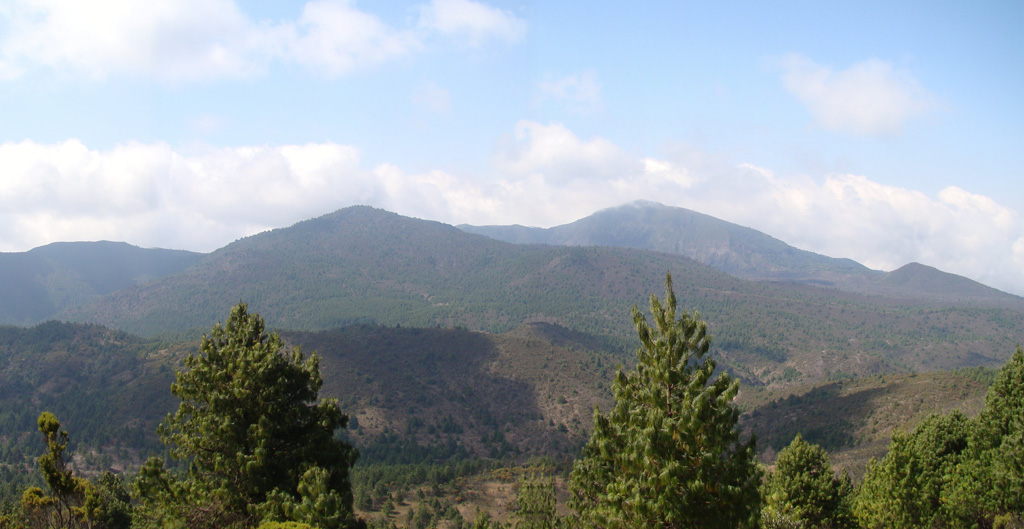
point(669, 453)
point(251, 426)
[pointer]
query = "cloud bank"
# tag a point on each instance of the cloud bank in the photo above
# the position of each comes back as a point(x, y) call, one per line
point(190, 40)
point(541, 174)
point(870, 98)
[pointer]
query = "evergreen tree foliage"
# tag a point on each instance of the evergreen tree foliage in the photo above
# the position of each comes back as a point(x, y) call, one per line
point(536, 504)
point(482, 520)
point(904, 489)
point(669, 453)
point(252, 431)
point(990, 482)
point(805, 489)
point(73, 502)
point(317, 504)
point(63, 507)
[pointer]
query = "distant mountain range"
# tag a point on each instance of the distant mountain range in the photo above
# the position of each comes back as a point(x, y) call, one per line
point(803, 318)
point(39, 284)
point(742, 252)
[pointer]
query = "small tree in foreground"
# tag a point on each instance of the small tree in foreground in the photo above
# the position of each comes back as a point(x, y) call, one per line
point(258, 443)
point(669, 454)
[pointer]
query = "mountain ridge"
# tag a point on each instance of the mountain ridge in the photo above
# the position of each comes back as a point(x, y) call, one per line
point(38, 284)
point(740, 251)
point(364, 265)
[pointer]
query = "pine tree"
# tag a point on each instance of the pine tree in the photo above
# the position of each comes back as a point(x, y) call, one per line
point(804, 487)
point(904, 489)
point(62, 508)
point(989, 483)
point(536, 504)
point(669, 453)
point(73, 501)
point(250, 427)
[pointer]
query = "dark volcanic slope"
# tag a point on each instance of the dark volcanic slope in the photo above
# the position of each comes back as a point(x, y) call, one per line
point(38, 284)
point(362, 265)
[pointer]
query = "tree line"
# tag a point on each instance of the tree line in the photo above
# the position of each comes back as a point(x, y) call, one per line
point(252, 445)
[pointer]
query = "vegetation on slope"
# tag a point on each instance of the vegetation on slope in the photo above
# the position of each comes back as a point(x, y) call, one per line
point(361, 265)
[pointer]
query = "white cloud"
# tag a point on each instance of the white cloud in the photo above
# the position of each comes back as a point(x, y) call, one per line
point(472, 21)
point(580, 92)
point(171, 39)
point(868, 98)
point(150, 195)
point(543, 174)
point(338, 38)
point(554, 152)
point(183, 40)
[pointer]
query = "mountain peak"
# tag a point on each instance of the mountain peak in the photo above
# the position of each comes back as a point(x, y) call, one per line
point(641, 203)
point(936, 284)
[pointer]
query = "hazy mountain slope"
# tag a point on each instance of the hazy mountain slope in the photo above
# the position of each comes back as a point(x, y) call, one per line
point(38, 284)
point(930, 282)
point(726, 246)
point(366, 265)
point(746, 253)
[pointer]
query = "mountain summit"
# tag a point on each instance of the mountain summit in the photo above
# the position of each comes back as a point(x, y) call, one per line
point(731, 248)
point(745, 252)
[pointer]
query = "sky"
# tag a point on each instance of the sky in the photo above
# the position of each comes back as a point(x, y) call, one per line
point(885, 132)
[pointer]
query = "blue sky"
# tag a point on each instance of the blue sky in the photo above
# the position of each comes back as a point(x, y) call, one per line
point(884, 132)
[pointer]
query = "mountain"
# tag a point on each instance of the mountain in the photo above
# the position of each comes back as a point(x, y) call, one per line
point(743, 252)
point(729, 247)
point(364, 265)
point(38, 284)
point(855, 419)
point(926, 281)
point(108, 388)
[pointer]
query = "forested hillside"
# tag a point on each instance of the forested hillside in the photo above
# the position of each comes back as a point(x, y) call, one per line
point(361, 265)
point(426, 394)
point(418, 397)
